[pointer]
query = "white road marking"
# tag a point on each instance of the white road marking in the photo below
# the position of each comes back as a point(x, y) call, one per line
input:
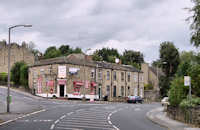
point(56, 121)
point(81, 126)
point(63, 117)
point(52, 126)
point(6, 122)
point(87, 124)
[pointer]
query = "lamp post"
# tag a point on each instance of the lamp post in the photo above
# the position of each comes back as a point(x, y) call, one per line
point(8, 92)
point(84, 73)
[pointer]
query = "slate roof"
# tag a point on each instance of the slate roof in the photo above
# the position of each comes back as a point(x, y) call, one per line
point(79, 59)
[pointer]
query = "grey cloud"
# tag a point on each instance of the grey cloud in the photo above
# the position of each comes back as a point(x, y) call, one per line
point(91, 22)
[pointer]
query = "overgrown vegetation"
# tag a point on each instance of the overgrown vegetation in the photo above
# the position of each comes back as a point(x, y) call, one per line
point(19, 74)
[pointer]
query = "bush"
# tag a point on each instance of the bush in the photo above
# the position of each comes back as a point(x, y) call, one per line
point(24, 76)
point(194, 72)
point(3, 77)
point(148, 86)
point(177, 91)
point(186, 103)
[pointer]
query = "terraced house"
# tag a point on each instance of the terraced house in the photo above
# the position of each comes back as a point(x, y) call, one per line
point(78, 76)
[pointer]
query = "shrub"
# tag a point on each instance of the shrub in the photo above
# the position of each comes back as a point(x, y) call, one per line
point(186, 103)
point(3, 77)
point(177, 91)
point(148, 86)
point(24, 76)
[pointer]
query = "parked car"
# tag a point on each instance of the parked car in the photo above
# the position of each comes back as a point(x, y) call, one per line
point(134, 99)
point(165, 101)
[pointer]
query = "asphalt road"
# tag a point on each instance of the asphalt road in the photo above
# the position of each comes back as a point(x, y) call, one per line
point(75, 115)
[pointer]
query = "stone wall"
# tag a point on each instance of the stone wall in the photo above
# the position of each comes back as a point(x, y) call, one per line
point(190, 115)
point(18, 53)
point(151, 95)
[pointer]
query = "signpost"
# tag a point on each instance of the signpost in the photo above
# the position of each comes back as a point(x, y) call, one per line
point(187, 82)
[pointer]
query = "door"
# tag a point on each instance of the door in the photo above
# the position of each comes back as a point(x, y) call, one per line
point(114, 91)
point(62, 90)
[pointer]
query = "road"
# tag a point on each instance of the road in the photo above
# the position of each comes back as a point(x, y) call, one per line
point(76, 115)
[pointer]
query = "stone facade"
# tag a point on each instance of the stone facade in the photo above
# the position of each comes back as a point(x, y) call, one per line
point(18, 53)
point(101, 79)
point(151, 76)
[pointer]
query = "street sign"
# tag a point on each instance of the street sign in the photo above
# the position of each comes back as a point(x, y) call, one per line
point(187, 81)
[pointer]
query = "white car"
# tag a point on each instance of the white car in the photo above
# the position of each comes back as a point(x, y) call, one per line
point(165, 101)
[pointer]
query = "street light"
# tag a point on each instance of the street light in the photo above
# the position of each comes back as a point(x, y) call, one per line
point(8, 92)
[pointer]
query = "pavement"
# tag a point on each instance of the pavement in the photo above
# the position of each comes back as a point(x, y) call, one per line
point(160, 117)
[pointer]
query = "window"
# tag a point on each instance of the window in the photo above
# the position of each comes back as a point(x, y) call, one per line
point(122, 91)
point(129, 76)
point(114, 75)
point(107, 90)
point(100, 74)
point(141, 78)
point(92, 74)
point(108, 75)
point(122, 76)
point(135, 77)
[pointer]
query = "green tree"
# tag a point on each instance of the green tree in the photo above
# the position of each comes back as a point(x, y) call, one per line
point(169, 57)
point(131, 57)
point(106, 54)
point(24, 76)
point(164, 84)
point(77, 50)
point(194, 72)
point(65, 50)
point(52, 52)
point(177, 91)
point(15, 72)
point(195, 23)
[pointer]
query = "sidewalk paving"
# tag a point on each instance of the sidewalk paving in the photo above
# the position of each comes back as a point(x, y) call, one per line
point(159, 117)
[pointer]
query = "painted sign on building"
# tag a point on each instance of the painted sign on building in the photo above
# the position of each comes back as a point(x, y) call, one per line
point(61, 71)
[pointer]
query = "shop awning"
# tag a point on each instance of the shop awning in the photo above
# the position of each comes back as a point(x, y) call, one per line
point(78, 83)
point(93, 84)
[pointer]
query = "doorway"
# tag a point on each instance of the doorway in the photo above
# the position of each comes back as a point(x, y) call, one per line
point(62, 90)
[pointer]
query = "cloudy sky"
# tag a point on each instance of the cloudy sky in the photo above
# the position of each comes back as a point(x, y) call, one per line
point(123, 24)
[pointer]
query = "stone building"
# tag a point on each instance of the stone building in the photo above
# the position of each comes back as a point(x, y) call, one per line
point(77, 76)
point(18, 53)
point(151, 76)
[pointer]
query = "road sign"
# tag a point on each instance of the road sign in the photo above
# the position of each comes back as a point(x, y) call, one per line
point(187, 81)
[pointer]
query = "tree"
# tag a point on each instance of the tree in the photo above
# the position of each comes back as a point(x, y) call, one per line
point(194, 72)
point(77, 50)
point(169, 57)
point(195, 23)
point(131, 57)
point(15, 72)
point(52, 52)
point(24, 76)
point(65, 50)
point(106, 54)
point(177, 91)
point(164, 84)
